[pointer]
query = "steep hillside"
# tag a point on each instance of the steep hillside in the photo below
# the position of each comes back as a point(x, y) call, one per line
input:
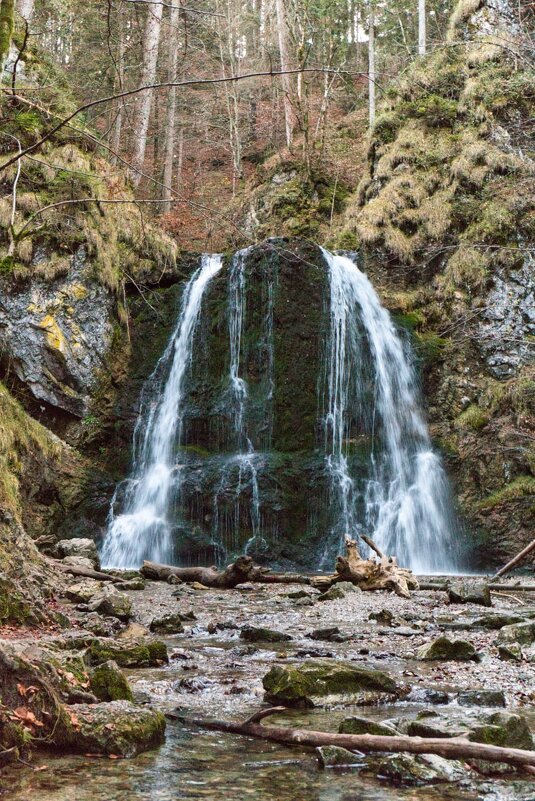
point(446, 217)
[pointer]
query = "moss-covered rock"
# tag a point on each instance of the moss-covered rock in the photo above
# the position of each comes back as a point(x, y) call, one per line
point(109, 683)
point(262, 634)
point(522, 633)
point(116, 728)
point(325, 681)
point(130, 654)
point(356, 725)
point(168, 624)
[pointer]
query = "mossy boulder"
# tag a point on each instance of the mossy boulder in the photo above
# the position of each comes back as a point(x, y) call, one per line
point(415, 770)
point(83, 591)
point(481, 698)
point(444, 649)
point(522, 633)
point(129, 654)
point(327, 681)
point(168, 624)
point(356, 725)
point(259, 634)
point(116, 728)
point(109, 683)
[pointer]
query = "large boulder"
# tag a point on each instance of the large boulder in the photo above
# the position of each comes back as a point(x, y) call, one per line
point(443, 649)
point(127, 653)
point(479, 594)
point(79, 546)
point(327, 681)
point(112, 603)
point(116, 728)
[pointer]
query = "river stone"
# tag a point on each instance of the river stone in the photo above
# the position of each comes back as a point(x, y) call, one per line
point(505, 729)
point(168, 624)
point(332, 756)
point(327, 681)
point(443, 649)
point(109, 683)
point(330, 634)
point(510, 653)
point(79, 546)
point(429, 723)
point(459, 593)
point(83, 591)
point(523, 633)
point(259, 634)
point(481, 698)
point(118, 727)
point(495, 622)
point(138, 583)
point(356, 725)
point(111, 602)
point(79, 561)
point(415, 770)
point(129, 654)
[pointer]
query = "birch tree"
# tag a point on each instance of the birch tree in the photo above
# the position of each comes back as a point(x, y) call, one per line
point(422, 37)
point(25, 8)
point(151, 42)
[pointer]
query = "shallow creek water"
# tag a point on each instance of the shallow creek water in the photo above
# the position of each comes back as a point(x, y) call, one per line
point(215, 675)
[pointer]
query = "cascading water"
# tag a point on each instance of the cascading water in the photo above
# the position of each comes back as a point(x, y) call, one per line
point(403, 503)
point(143, 530)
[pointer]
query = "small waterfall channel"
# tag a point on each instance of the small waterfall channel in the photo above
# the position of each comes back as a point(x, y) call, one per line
point(372, 469)
point(404, 503)
point(143, 530)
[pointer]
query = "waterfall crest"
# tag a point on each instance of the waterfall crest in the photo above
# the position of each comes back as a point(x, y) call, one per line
point(143, 530)
point(404, 503)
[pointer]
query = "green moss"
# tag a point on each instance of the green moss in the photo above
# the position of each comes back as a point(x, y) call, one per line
point(108, 683)
point(473, 418)
point(128, 654)
point(435, 110)
point(520, 487)
point(7, 12)
point(410, 320)
point(430, 347)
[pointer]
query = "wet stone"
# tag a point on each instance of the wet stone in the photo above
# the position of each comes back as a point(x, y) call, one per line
point(415, 770)
point(260, 634)
point(419, 695)
point(481, 698)
point(331, 634)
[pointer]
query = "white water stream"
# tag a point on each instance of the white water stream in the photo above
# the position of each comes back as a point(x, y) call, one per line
point(143, 530)
point(404, 503)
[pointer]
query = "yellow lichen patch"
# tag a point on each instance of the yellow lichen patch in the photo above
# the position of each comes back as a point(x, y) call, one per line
point(54, 335)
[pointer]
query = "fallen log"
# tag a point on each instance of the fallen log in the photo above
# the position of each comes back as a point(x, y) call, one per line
point(239, 572)
point(450, 748)
point(516, 560)
point(85, 572)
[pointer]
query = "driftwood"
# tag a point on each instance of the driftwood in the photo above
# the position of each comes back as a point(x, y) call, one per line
point(371, 575)
point(516, 561)
point(368, 574)
point(450, 748)
point(239, 572)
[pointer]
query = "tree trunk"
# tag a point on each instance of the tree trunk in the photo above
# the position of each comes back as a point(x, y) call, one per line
point(170, 132)
point(454, 748)
point(7, 13)
point(118, 126)
point(422, 36)
point(290, 119)
point(151, 41)
point(371, 63)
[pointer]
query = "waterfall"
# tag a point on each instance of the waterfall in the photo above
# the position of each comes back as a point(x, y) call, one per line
point(403, 502)
point(143, 530)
